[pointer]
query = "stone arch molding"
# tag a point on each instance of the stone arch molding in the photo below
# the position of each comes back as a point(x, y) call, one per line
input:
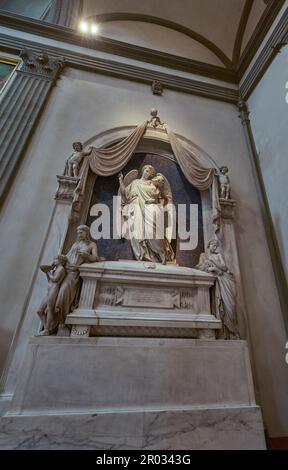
point(154, 141)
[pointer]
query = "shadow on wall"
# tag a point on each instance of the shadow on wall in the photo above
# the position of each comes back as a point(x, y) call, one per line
point(5, 343)
point(278, 224)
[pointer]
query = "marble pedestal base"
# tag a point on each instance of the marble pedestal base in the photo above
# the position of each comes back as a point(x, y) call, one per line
point(133, 393)
point(211, 429)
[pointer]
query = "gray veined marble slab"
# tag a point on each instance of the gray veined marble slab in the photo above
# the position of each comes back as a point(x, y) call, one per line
point(214, 429)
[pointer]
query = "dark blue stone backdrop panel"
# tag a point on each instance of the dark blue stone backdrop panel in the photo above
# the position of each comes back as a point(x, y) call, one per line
point(183, 193)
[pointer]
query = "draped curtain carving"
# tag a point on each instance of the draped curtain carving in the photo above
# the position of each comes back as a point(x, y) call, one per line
point(199, 176)
point(108, 161)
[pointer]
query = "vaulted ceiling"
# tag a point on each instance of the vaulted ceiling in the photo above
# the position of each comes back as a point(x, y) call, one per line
point(215, 37)
point(223, 26)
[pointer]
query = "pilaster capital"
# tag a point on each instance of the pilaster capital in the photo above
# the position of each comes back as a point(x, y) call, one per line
point(41, 64)
point(244, 112)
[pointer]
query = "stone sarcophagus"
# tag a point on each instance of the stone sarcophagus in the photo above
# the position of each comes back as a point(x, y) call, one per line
point(130, 298)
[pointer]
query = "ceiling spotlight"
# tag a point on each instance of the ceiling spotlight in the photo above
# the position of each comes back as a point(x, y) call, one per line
point(94, 28)
point(84, 26)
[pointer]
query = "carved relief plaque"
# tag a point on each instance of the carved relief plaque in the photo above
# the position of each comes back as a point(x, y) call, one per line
point(149, 298)
point(121, 296)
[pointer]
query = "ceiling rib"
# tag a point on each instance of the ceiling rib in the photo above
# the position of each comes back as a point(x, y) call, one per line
point(106, 17)
point(241, 30)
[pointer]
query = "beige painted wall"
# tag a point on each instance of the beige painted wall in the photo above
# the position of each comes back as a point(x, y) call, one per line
point(84, 104)
point(158, 38)
point(217, 20)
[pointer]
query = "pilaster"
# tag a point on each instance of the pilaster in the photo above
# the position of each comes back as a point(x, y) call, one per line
point(65, 12)
point(20, 108)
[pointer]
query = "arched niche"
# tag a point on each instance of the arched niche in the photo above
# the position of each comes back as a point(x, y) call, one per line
point(154, 145)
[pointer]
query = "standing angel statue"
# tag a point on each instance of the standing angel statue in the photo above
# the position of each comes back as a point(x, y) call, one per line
point(146, 205)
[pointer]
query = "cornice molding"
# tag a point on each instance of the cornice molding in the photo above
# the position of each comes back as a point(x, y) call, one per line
point(126, 71)
point(261, 30)
point(68, 35)
point(272, 47)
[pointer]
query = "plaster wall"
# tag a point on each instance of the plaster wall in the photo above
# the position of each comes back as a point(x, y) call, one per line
point(217, 20)
point(158, 38)
point(268, 106)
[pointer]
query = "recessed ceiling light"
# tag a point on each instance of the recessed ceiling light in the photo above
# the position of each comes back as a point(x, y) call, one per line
point(94, 28)
point(84, 26)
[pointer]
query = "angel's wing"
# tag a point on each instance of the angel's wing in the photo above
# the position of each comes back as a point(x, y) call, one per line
point(170, 211)
point(166, 190)
point(120, 210)
point(131, 176)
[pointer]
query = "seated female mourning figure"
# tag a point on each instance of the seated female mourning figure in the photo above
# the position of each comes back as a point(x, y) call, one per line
point(225, 289)
point(64, 277)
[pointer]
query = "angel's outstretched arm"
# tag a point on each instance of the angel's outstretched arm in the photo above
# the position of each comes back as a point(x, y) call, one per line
point(125, 185)
point(122, 186)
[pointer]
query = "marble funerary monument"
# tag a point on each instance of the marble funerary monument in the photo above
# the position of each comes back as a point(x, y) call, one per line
point(136, 351)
